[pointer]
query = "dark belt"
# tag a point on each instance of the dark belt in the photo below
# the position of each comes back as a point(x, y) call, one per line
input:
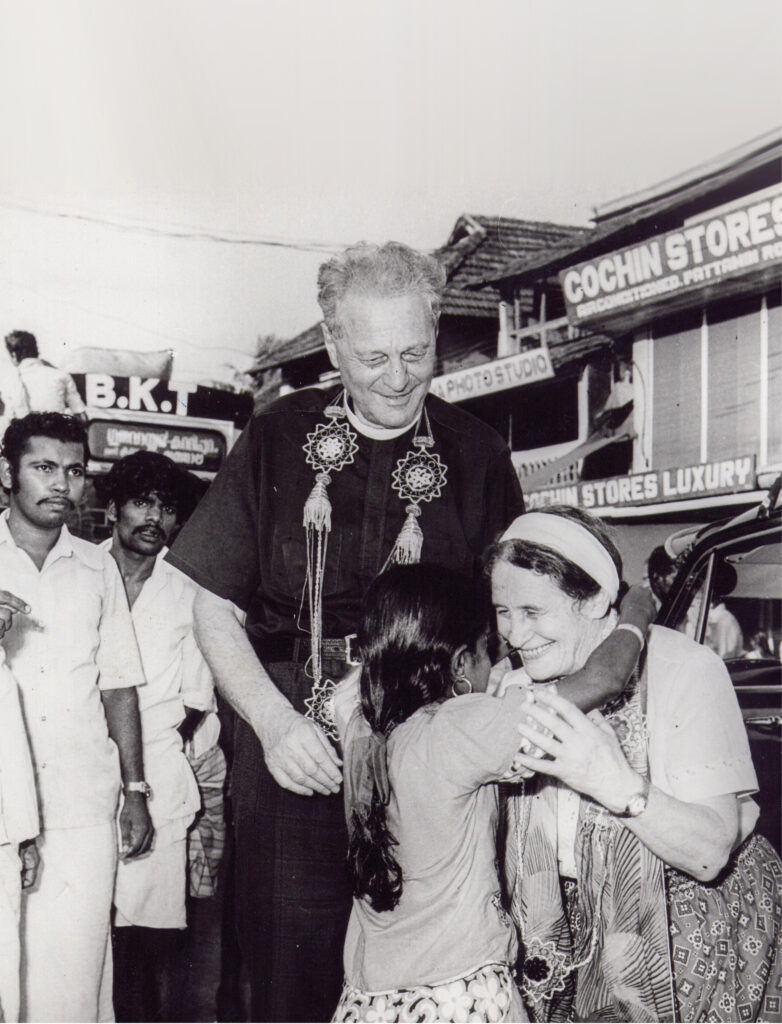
point(299, 649)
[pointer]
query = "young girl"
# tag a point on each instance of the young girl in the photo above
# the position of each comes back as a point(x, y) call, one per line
point(428, 937)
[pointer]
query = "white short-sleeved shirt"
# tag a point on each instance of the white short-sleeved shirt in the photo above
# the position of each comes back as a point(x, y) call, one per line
point(176, 675)
point(77, 640)
point(42, 388)
point(18, 803)
point(697, 742)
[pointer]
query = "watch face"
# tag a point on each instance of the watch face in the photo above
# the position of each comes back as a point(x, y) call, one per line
point(636, 805)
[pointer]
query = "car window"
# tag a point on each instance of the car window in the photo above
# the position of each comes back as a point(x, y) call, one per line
point(744, 618)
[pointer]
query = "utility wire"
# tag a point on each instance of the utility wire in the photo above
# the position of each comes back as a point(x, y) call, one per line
point(175, 231)
point(171, 339)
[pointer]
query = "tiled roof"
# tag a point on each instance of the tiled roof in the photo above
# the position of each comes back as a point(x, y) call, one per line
point(304, 344)
point(482, 246)
point(478, 246)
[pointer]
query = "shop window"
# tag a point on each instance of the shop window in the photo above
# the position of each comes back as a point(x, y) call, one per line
point(531, 417)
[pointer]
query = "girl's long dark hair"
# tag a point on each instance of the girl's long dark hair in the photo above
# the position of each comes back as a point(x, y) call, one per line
point(415, 618)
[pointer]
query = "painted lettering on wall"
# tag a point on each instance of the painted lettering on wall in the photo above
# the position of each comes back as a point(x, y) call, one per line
point(726, 476)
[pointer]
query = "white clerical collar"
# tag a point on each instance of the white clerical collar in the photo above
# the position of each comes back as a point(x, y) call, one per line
point(371, 430)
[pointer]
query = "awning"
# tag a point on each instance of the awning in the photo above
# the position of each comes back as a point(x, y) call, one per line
point(543, 475)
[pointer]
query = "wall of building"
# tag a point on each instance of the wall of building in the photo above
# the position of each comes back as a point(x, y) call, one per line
point(713, 381)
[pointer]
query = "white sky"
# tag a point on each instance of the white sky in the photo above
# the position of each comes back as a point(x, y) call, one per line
point(330, 121)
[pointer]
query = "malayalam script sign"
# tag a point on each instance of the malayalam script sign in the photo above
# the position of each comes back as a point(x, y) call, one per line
point(190, 447)
point(726, 476)
point(499, 375)
point(724, 245)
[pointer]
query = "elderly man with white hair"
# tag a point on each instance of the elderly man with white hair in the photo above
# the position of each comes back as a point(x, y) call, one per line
point(322, 492)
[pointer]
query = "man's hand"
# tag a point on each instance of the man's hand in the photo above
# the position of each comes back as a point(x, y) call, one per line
point(299, 756)
point(638, 607)
point(31, 859)
point(135, 826)
point(10, 604)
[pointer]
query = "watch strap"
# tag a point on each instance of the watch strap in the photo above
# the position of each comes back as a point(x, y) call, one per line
point(138, 787)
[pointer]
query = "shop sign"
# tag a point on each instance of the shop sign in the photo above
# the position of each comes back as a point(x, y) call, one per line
point(150, 394)
point(192, 448)
point(499, 375)
point(725, 245)
point(727, 476)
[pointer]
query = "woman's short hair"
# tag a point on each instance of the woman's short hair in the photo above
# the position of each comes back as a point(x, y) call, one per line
point(382, 270)
point(538, 558)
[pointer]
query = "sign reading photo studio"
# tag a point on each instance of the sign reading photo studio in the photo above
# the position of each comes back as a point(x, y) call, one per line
point(727, 476)
point(724, 245)
point(499, 375)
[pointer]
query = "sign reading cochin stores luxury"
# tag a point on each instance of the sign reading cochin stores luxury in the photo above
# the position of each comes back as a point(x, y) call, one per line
point(727, 244)
point(726, 476)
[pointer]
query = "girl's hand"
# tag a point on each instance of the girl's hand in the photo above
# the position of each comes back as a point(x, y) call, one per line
point(517, 771)
point(583, 751)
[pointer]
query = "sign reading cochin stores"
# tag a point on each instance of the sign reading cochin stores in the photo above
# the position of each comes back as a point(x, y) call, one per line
point(724, 245)
point(727, 476)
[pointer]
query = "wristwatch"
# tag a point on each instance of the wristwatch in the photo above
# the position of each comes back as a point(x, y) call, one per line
point(138, 787)
point(637, 803)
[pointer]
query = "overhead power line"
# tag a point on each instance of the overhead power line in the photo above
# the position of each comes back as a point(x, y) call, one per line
point(189, 233)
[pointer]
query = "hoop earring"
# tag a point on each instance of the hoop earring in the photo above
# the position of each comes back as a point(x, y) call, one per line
point(461, 686)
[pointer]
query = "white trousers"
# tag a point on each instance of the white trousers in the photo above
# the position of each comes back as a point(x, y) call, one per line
point(66, 927)
point(10, 896)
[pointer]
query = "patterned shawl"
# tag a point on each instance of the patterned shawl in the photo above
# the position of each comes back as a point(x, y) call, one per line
point(597, 951)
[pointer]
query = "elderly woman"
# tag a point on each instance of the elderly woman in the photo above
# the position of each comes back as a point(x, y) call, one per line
point(638, 824)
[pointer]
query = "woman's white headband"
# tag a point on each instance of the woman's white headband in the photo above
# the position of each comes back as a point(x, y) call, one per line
point(572, 541)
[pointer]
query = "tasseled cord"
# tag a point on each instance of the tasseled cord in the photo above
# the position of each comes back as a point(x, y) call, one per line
point(409, 543)
point(317, 523)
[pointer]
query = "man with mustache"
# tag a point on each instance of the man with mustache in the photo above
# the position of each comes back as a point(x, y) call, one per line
point(73, 653)
point(148, 495)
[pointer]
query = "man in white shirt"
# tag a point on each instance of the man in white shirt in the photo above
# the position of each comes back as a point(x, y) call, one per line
point(36, 386)
point(18, 825)
point(147, 495)
point(75, 658)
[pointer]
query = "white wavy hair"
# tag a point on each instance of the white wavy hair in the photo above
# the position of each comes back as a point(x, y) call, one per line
point(381, 270)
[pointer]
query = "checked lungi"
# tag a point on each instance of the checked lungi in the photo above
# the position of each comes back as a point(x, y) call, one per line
point(293, 893)
point(206, 838)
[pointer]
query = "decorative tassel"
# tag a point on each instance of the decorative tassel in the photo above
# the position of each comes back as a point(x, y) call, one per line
point(317, 508)
point(407, 549)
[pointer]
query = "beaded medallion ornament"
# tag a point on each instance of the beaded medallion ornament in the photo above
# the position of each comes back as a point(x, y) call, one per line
point(330, 447)
point(419, 476)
